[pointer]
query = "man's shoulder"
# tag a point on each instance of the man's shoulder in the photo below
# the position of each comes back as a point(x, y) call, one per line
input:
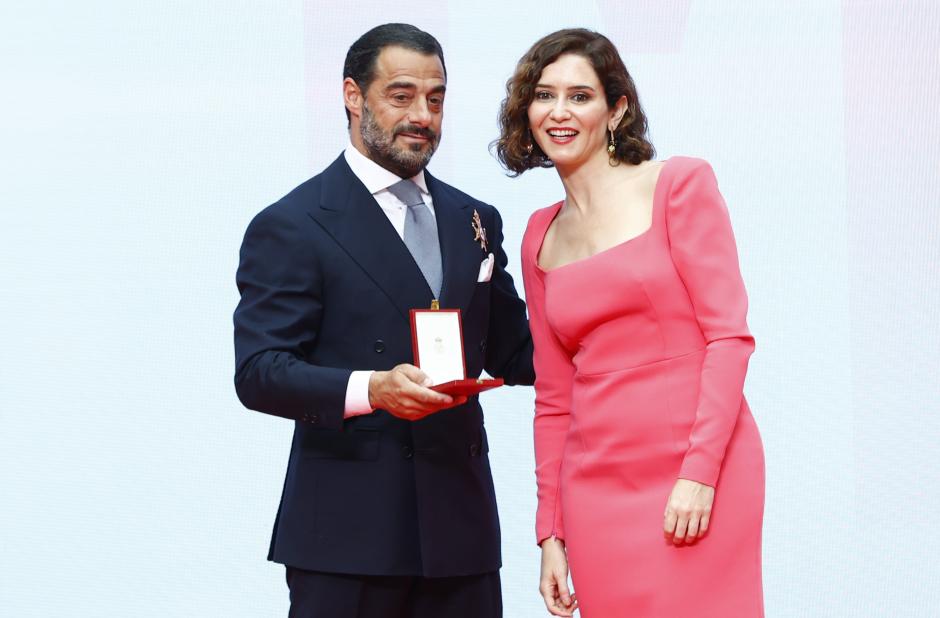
point(302, 198)
point(290, 208)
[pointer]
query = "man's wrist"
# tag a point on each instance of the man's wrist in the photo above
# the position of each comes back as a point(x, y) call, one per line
point(358, 401)
point(374, 379)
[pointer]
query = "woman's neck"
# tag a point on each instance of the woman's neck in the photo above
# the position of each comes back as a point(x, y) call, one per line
point(587, 183)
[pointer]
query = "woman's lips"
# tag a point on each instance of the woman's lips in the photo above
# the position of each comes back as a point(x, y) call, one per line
point(561, 136)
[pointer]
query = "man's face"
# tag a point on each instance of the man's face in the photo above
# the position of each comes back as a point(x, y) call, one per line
point(400, 121)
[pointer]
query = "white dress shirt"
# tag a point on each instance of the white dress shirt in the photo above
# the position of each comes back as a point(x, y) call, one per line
point(377, 180)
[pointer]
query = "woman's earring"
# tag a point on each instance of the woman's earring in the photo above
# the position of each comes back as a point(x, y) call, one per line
point(528, 147)
point(612, 144)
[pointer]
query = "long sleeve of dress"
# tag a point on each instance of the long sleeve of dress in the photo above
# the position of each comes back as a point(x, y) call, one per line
point(704, 253)
point(553, 380)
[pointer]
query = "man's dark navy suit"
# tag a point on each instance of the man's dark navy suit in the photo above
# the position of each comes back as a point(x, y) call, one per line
point(326, 286)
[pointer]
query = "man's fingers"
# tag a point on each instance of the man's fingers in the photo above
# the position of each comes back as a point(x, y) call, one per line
point(411, 386)
point(412, 409)
point(412, 395)
point(414, 374)
point(404, 394)
point(426, 398)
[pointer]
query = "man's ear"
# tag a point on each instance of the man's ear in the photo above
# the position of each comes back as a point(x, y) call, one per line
point(352, 97)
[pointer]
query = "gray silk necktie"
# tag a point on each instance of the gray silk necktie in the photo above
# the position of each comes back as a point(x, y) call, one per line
point(421, 233)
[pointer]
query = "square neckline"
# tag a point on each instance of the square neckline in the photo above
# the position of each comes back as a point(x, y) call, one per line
point(657, 190)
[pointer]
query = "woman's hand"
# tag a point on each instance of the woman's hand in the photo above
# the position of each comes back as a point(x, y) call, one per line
point(688, 511)
point(554, 582)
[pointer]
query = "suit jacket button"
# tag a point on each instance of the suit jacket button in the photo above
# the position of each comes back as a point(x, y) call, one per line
point(474, 450)
point(407, 452)
point(314, 418)
point(379, 346)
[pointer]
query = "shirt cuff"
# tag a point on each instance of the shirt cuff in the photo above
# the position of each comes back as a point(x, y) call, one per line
point(357, 394)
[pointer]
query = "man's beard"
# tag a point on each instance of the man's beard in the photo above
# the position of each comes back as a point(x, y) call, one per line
point(403, 162)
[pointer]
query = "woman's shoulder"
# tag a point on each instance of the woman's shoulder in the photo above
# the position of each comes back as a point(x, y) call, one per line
point(688, 176)
point(536, 227)
point(682, 166)
point(541, 219)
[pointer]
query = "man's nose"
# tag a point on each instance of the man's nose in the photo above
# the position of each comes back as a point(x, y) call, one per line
point(420, 113)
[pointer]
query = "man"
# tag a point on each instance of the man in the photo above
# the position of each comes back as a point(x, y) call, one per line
point(388, 506)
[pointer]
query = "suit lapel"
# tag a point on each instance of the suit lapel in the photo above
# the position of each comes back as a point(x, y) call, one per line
point(460, 255)
point(350, 214)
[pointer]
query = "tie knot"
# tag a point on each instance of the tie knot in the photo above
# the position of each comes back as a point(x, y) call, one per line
point(408, 192)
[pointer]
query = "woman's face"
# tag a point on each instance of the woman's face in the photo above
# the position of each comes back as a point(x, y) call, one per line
point(568, 115)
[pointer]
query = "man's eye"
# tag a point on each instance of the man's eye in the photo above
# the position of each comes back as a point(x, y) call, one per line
point(436, 100)
point(400, 98)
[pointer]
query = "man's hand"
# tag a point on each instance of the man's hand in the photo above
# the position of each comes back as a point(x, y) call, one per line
point(688, 511)
point(404, 392)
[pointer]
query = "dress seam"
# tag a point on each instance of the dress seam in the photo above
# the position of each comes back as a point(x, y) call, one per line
point(640, 366)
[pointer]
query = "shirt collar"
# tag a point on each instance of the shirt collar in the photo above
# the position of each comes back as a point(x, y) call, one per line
point(375, 177)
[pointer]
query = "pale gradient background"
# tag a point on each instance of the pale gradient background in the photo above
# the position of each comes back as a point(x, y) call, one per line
point(137, 139)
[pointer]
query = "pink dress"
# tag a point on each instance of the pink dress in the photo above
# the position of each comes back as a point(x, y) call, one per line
point(640, 356)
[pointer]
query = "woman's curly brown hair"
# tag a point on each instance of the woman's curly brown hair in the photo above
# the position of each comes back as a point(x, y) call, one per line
point(515, 148)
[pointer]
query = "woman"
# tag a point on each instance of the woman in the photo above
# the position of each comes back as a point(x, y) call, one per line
point(637, 310)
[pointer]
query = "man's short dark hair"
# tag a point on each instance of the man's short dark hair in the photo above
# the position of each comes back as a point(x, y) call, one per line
point(362, 55)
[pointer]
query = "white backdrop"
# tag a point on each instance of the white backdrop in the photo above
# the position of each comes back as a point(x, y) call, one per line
point(138, 139)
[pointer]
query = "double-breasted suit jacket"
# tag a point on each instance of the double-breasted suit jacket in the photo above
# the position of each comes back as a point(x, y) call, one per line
point(326, 287)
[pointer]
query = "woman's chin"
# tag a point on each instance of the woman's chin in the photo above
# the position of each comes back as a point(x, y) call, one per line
point(568, 161)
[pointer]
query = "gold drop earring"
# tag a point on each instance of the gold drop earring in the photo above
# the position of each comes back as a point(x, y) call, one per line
point(612, 144)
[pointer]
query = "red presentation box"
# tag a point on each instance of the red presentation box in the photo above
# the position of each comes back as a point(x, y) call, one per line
point(437, 340)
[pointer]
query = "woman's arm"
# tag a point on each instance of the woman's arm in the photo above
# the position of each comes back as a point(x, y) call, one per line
point(703, 250)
